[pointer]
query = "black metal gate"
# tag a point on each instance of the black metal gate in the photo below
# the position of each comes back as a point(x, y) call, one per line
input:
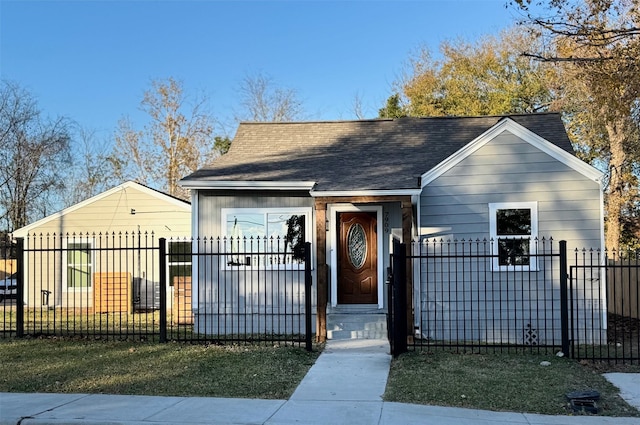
point(605, 294)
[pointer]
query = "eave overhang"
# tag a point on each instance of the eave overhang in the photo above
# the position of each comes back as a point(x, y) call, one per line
point(246, 185)
point(358, 193)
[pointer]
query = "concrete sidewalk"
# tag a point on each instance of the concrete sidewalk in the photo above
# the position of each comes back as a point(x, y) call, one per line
point(345, 386)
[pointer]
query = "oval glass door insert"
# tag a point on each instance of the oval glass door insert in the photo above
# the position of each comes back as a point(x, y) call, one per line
point(356, 245)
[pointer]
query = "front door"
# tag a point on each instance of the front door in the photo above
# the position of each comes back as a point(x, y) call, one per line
point(357, 258)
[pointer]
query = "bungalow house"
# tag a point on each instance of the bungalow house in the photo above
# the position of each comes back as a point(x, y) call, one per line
point(355, 184)
point(99, 253)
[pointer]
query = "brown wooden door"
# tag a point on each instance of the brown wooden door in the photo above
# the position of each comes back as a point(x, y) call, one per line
point(357, 258)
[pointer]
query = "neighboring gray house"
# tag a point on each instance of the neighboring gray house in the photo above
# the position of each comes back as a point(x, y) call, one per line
point(355, 183)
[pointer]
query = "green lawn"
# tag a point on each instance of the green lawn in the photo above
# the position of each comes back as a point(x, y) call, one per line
point(179, 369)
point(501, 382)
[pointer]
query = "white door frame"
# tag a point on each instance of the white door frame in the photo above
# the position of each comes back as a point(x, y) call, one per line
point(332, 246)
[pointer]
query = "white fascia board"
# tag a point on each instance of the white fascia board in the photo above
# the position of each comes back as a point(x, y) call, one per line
point(23, 231)
point(523, 133)
point(246, 185)
point(352, 193)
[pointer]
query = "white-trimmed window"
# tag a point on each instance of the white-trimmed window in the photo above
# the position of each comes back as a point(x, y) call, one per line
point(278, 231)
point(79, 265)
point(514, 230)
point(179, 261)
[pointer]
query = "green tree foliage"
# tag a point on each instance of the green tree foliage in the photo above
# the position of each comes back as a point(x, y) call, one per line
point(580, 59)
point(596, 46)
point(393, 108)
point(489, 77)
point(174, 142)
point(34, 153)
point(221, 144)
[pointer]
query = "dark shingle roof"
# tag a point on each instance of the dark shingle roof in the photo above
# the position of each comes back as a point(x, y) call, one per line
point(387, 154)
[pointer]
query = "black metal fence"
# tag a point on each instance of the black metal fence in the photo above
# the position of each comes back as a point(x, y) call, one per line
point(605, 291)
point(134, 286)
point(468, 295)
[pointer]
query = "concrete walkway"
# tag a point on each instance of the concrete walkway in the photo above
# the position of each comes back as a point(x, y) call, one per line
point(345, 386)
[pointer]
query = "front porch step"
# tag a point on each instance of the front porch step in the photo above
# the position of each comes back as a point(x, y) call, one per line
point(356, 326)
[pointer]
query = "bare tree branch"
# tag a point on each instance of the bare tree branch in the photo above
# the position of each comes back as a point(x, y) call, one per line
point(34, 152)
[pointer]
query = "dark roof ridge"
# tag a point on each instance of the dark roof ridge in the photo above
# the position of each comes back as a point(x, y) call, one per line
point(424, 117)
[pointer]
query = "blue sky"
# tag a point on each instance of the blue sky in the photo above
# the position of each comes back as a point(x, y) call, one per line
point(92, 60)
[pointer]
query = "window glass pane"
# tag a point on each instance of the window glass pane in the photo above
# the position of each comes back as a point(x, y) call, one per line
point(78, 253)
point(514, 252)
point(78, 265)
point(183, 270)
point(295, 236)
point(246, 225)
point(357, 245)
point(79, 276)
point(281, 234)
point(179, 260)
point(180, 252)
point(513, 222)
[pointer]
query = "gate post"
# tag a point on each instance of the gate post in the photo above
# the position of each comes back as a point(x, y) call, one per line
point(307, 296)
point(564, 300)
point(163, 288)
point(20, 288)
point(399, 315)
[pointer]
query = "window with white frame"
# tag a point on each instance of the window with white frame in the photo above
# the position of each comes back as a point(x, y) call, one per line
point(514, 229)
point(179, 261)
point(79, 265)
point(265, 237)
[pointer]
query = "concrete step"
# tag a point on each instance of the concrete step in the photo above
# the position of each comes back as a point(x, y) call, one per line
point(356, 326)
point(360, 334)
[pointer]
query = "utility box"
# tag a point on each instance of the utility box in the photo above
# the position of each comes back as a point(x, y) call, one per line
point(146, 294)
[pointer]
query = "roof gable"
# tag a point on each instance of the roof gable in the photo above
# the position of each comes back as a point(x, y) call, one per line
point(23, 231)
point(508, 125)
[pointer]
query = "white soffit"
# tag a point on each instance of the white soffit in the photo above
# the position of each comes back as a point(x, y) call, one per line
point(521, 132)
point(247, 185)
point(354, 193)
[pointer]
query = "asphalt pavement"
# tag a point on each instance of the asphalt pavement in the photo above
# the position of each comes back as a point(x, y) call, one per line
point(345, 386)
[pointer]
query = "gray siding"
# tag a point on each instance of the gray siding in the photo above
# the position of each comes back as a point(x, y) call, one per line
point(246, 299)
point(498, 306)
point(508, 169)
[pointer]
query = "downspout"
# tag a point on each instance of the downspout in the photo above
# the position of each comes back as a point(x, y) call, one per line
point(415, 200)
point(195, 278)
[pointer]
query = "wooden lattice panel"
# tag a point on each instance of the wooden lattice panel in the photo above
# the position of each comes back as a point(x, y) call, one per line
point(112, 292)
point(182, 314)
